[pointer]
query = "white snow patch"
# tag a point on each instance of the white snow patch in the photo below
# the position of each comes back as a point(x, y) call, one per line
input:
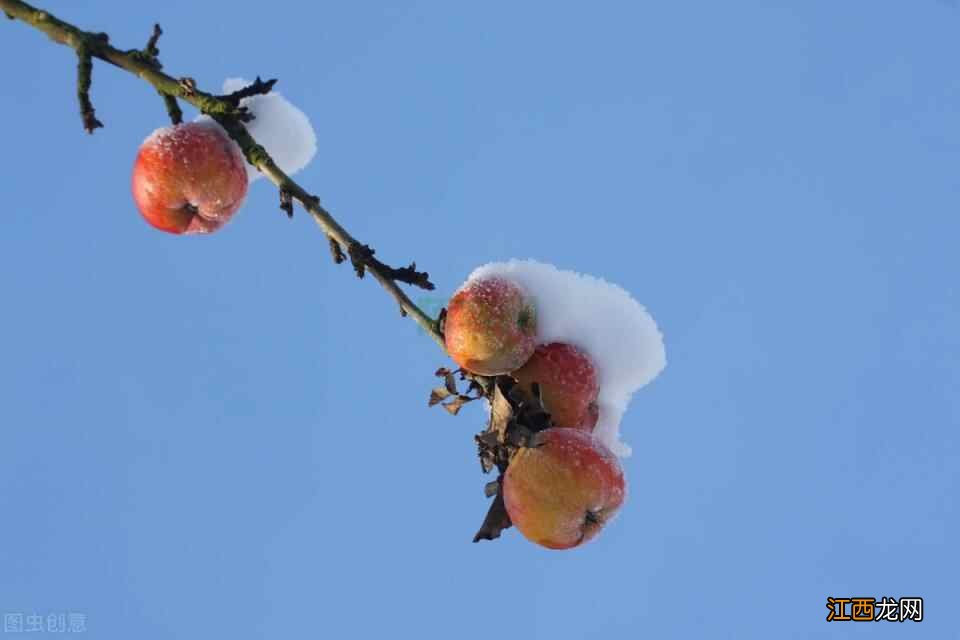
point(283, 129)
point(602, 319)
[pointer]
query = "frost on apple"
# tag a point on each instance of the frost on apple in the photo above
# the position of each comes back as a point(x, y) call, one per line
point(189, 178)
point(603, 320)
point(281, 128)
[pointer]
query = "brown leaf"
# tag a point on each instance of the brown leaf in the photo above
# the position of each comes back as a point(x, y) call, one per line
point(519, 436)
point(456, 404)
point(495, 522)
point(442, 321)
point(501, 413)
point(437, 395)
point(487, 450)
point(450, 383)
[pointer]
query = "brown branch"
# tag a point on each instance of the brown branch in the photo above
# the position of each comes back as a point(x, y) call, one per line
point(512, 421)
point(151, 48)
point(84, 73)
point(151, 55)
point(257, 88)
point(227, 112)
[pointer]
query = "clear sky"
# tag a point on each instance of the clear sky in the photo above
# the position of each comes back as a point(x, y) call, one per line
point(227, 436)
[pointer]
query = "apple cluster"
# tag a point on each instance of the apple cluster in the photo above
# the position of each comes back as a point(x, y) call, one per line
point(563, 484)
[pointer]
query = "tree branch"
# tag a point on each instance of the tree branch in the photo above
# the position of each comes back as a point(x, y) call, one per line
point(227, 111)
point(84, 73)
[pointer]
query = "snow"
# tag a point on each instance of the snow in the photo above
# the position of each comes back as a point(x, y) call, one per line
point(283, 129)
point(603, 320)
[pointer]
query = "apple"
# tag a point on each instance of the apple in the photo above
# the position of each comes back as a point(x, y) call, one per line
point(568, 384)
point(491, 326)
point(189, 178)
point(561, 489)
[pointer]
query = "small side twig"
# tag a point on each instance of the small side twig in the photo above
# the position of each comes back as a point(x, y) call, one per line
point(151, 48)
point(286, 202)
point(257, 88)
point(84, 73)
point(173, 107)
point(151, 55)
point(336, 251)
point(361, 256)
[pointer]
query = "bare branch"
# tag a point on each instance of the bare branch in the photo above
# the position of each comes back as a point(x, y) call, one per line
point(84, 73)
point(231, 117)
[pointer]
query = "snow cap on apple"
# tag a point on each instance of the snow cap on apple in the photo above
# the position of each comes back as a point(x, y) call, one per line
point(600, 319)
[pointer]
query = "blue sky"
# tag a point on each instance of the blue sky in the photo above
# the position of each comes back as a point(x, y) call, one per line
point(227, 436)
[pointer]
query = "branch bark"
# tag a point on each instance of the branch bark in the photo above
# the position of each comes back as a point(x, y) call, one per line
point(227, 112)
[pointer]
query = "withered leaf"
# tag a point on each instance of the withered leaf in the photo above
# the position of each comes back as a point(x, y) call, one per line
point(450, 383)
point(487, 461)
point(491, 488)
point(495, 522)
point(437, 395)
point(487, 450)
point(442, 321)
point(456, 404)
point(488, 439)
point(501, 413)
point(519, 436)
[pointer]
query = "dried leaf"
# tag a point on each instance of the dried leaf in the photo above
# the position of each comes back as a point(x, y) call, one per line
point(519, 436)
point(454, 406)
point(437, 395)
point(487, 444)
point(442, 321)
point(450, 383)
point(491, 488)
point(501, 413)
point(495, 522)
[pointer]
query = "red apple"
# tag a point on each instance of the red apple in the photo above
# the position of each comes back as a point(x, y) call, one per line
point(491, 326)
point(568, 384)
point(562, 489)
point(189, 178)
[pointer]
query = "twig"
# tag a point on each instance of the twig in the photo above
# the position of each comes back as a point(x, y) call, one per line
point(84, 72)
point(172, 107)
point(258, 87)
point(336, 251)
point(286, 203)
point(151, 48)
